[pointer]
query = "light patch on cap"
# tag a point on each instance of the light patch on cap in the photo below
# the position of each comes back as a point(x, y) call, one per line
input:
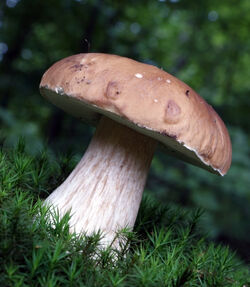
point(155, 100)
point(168, 81)
point(59, 90)
point(83, 60)
point(159, 78)
point(139, 76)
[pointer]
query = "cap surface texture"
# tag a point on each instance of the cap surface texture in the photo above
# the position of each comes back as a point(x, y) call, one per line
point(144, 98)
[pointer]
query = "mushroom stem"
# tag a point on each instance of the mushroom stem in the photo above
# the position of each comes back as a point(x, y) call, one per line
point(104, 190)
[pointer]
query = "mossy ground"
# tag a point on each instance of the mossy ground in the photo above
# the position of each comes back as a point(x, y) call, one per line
point(165, 249)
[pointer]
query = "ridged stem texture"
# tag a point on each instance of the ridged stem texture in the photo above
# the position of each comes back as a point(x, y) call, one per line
point(104, 190)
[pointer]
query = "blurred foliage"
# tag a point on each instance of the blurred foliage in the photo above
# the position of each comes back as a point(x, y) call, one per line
point(204, 43)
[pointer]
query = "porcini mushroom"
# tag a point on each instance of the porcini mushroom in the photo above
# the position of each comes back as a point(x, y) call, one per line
point(135, 106)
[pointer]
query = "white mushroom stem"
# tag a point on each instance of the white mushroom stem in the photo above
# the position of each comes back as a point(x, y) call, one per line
point(104, 190)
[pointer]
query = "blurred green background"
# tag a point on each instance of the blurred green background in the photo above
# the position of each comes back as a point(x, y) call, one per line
point(204, 43)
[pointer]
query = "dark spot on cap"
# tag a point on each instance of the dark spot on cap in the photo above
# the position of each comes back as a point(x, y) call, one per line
point(172, 136)
point(205, 156)
point(77, 80)
point(77, 67)
point(172, 112)
point(90, 63)
point(187, 93)
point(113, 90)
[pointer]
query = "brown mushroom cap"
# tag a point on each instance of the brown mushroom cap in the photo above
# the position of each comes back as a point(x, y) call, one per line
point(144, 98)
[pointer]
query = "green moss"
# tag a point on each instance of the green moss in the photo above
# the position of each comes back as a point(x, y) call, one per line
point(165, 249)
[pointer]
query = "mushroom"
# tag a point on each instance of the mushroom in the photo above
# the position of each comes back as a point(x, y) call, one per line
point(135, 107)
